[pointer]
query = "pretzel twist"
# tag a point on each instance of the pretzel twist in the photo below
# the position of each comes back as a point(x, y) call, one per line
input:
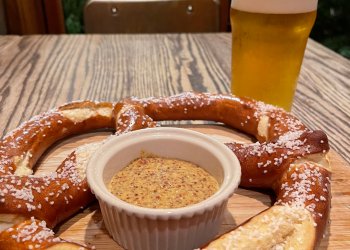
point(288, 158)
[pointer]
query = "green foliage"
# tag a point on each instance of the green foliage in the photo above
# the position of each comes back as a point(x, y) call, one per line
point(332, 27)
point(73, 14)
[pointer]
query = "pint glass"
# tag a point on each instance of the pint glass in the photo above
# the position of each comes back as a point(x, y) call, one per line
point(268, 43)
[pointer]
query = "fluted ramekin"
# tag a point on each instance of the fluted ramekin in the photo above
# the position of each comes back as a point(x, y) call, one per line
point(135, 227)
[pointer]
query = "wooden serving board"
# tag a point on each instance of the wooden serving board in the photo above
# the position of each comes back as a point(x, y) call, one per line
point(87, 226)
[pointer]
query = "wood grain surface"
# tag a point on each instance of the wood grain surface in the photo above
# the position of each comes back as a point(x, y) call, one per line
point(88, 225)
point(40, 72)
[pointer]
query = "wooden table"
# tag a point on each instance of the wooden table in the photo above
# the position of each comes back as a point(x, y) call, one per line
point(41, 72)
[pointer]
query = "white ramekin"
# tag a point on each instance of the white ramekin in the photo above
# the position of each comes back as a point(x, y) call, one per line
point(135, 227)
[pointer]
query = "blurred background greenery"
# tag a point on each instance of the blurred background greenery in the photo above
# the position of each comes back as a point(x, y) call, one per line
point(73, 15)
point(332, 27)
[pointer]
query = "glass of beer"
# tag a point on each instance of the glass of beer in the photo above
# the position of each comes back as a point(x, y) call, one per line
point(268, 43)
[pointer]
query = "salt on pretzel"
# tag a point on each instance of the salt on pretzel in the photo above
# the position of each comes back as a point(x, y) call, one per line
point(52, 197)
point(289, 158)
point(34, 234)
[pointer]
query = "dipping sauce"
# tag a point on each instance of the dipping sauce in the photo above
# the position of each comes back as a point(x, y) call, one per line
point(157, 182)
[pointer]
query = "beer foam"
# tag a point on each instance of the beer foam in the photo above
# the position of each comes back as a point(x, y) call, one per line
point(275, 6)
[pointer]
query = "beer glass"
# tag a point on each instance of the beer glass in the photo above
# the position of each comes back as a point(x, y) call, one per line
point(268, 43)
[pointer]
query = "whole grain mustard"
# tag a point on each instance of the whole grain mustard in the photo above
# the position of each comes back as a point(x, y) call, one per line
point(157, 182)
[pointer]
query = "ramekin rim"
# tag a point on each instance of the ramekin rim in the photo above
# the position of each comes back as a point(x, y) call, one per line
point(228, 186)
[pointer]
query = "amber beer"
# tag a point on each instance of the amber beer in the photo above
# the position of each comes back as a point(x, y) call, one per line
point(268, 43)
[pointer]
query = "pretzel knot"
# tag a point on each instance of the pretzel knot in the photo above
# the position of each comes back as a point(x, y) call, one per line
point(288, 158)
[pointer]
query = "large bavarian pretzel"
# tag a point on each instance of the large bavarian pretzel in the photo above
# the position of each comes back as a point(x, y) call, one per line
point(289, 158)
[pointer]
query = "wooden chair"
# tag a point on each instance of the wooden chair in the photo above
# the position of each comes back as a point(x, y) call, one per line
point(155, 16)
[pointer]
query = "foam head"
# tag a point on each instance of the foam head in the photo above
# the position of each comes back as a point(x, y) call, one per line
point(275, 6)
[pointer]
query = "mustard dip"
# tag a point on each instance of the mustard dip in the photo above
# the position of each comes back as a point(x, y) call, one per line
point(156, 182)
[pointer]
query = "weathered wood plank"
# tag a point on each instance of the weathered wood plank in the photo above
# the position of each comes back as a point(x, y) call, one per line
point(40, 72)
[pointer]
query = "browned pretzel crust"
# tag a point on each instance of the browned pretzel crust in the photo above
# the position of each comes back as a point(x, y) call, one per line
point(34, 234)
point(288, 158)
point(55, 196)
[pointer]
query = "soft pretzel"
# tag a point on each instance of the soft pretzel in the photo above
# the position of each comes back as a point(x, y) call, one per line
point(288, 158)
point(34, 234)
point(52, 197)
